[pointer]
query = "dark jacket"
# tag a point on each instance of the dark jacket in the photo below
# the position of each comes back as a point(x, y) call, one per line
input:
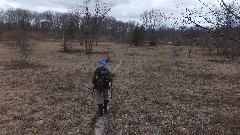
point(97, 71)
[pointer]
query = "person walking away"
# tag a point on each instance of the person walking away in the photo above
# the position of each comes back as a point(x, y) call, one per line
point(101, 80)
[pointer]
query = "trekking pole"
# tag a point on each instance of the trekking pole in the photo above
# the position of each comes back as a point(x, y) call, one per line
point(117, 66)
point(93, 91)
point(111, 89)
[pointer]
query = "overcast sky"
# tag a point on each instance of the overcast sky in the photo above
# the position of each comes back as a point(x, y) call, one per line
point(122, 10)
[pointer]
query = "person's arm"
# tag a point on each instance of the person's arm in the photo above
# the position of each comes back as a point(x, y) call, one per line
point(111, 83)
point(110, 76)
point(94, 76)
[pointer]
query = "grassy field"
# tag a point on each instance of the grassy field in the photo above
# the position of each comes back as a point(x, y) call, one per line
point(155, 91)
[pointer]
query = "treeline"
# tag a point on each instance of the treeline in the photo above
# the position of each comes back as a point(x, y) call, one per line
point(90, 24)
point(53, 24)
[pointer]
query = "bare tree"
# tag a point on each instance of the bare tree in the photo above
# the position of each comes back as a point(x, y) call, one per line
point(91, 14)
point(1, 23)
point(108, 28)
point(10, 19)
point(223, 20)
point(56, 25)
point(35, 20)
point(152, 22)
point(47, 23)
point(20, 36)
point(23, 45)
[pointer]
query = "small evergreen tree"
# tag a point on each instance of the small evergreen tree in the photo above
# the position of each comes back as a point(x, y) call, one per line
point(137, 36)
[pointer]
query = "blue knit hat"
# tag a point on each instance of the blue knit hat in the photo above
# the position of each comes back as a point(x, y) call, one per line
point(101, 63)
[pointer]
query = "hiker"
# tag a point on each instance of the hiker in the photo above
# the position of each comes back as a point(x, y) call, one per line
point(101, 79)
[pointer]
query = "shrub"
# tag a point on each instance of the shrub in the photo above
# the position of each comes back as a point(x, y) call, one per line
point(137, 37)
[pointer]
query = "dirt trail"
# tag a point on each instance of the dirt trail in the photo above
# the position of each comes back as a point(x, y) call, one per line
point(100, 125)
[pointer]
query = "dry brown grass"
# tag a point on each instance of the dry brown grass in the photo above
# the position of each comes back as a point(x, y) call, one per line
point(154, 92)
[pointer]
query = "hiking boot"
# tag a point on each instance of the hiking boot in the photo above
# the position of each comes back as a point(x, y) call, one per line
point(100, 110)
point(105, 106)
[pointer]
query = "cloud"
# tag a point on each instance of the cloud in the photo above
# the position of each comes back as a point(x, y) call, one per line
point(4, 4)
point(38, 5)
point(122, 10)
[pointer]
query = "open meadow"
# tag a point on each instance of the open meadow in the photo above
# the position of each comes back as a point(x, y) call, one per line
point(156, 91)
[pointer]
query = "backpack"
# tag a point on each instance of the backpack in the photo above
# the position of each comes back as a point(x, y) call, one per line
point(101, 79)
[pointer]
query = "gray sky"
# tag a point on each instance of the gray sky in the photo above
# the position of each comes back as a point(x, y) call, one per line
point(123, 9)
